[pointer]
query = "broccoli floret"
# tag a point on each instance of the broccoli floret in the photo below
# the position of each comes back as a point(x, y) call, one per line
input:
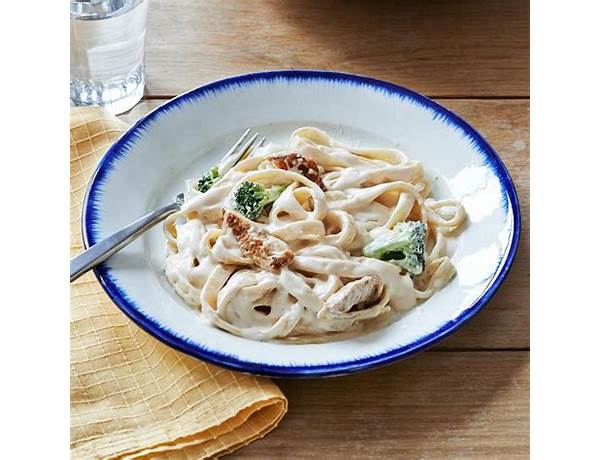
point(405, 248)
point(251, 198)
point(207, 180)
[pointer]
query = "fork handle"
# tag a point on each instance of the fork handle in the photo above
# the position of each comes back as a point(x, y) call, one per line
point(102, 250)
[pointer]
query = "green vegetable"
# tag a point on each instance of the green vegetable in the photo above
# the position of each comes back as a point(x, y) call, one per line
point(405, 248)
point(250, 198)
point(207, 180)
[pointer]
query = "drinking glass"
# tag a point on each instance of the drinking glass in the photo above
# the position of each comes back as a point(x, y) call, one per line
point(107, 53)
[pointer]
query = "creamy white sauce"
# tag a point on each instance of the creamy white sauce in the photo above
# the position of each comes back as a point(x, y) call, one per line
point(368, 192)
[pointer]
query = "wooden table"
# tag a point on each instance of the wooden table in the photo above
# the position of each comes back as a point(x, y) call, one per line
point(468, 397)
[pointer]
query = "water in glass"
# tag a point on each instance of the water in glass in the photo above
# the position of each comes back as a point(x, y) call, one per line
point(107, 53)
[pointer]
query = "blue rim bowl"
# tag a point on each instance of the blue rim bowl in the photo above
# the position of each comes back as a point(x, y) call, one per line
point(128, 306)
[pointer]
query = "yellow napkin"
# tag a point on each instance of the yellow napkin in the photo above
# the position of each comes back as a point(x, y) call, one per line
point(132, 396)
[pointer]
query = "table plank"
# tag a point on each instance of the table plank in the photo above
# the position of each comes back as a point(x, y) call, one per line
point(440, 48)
point(438, 405)
point(504, 323)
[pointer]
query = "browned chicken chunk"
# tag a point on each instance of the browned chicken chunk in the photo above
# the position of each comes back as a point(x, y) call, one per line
point(300, 164)
point(266, 251)
point(356, 294)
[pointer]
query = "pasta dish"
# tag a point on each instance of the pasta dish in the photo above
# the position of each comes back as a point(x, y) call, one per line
point(310, 242)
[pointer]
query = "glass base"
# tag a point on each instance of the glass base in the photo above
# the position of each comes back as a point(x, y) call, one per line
point(116, 96)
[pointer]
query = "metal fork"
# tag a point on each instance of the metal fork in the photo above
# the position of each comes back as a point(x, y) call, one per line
point(102, 250)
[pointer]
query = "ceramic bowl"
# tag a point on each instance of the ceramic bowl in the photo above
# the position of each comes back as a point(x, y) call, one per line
point(148, 165)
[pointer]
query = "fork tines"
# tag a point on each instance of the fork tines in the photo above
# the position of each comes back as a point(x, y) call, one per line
point(239, 150)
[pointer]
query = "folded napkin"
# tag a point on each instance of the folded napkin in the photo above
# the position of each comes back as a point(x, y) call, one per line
point(131, 395)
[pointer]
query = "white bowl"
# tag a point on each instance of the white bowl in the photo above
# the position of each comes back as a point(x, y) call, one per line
point(148, 165)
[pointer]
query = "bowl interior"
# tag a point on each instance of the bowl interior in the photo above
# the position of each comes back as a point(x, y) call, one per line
point(149, 164)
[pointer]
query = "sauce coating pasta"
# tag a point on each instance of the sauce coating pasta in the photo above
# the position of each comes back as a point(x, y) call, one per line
point(336, 200)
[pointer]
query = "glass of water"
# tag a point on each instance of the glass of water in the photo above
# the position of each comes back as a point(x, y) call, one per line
point(107, 53)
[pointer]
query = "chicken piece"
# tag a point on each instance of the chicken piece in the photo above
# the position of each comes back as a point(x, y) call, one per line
point(266, 251)
point(297, 163)
point(357, 294)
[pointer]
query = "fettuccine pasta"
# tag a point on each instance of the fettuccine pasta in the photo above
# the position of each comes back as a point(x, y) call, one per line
point(298, 271)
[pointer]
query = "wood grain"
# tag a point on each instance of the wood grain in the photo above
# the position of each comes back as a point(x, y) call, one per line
point(439, 405)
point(440, 48)
point(504, 322)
